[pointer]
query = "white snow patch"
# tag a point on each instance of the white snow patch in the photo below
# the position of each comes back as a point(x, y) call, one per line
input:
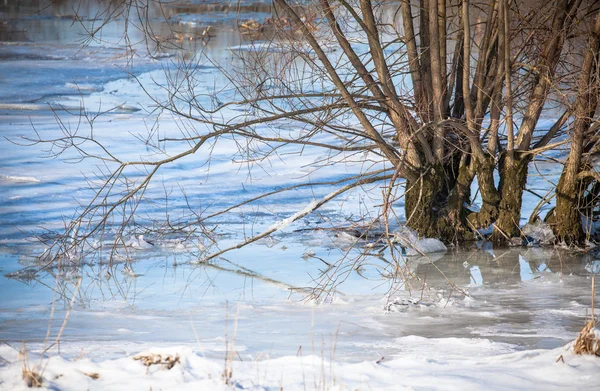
point(285, 222)
point(139, 243)
point(14, 178)
point(413, 245)
point(5, 241)
point(344, 240)
point(455, 348)
point(81, 87)
point(178, 245)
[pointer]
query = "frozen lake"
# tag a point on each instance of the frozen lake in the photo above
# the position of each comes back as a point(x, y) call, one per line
point(477, 302)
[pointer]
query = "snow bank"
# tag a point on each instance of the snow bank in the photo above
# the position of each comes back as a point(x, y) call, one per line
point(410, 242)
point(422, 366)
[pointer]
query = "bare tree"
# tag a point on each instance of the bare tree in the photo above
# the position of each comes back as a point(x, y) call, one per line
point(440, 94)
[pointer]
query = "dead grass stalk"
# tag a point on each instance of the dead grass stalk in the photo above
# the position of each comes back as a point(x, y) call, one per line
point(588, 341)
point(32, 375)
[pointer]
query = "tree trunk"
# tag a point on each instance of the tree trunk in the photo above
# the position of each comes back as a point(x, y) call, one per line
point(422, 202)
point(566, 219)
point(435, 202)
point(569, 192)
point(490, 196)
point(513, 178)
point(427, 207)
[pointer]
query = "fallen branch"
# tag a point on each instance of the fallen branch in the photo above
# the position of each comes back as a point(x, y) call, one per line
point(304, 212)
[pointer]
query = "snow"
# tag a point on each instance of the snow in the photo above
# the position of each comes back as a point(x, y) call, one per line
point(287, 221)
point(16, 178)
point(81, 86)
point(413, 245)
point(427, 366)
point(138, 243)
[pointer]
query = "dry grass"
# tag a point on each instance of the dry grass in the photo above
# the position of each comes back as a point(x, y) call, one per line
point(588, 342)
point(168, 361)
point(92, 375)
point(230, 351)
point(30, 374)
point(250, 26)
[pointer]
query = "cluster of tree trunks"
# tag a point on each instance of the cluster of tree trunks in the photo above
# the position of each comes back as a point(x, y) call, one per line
point(479, 89)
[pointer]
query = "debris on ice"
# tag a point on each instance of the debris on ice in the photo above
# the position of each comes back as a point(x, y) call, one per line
point(139, 243)
point(538, 232)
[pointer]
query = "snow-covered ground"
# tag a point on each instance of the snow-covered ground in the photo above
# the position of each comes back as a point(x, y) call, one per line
point(473, 365)
point(493, 319)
